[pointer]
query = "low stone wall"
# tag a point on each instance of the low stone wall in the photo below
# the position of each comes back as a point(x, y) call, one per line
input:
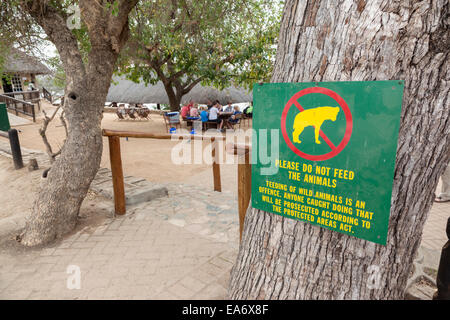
point(137, 190)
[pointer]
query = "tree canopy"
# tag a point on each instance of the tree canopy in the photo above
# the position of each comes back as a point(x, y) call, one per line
point(88, 48)
point(183, 43)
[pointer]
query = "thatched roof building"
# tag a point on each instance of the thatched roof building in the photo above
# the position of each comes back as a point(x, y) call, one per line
point(19, 70)
point(19, 62)
point(127, 91)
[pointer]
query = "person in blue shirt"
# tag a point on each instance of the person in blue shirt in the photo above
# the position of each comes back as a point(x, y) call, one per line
point(204, 115)
point(233, 119)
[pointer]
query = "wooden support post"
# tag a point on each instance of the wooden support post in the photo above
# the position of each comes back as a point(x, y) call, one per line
point(33, 113)
point(216, 167)
point(117, 175)
point(15, 148)
point(244, 189)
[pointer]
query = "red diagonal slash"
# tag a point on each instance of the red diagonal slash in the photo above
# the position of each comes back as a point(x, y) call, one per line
point(321, 133)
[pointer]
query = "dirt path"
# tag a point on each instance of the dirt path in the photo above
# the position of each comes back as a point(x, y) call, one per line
point(150, 159)
point(17, 193)
point(23, 196)
point(146, 158)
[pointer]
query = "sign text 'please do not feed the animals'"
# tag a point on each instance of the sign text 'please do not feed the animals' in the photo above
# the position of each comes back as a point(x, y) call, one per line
point(336, 153)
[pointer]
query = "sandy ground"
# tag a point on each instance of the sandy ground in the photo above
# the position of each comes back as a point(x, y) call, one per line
point(16, 120)
point(10, 179)
point(18, 191)
point(146, 158)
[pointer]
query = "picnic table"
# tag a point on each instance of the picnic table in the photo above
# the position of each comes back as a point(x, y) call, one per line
point(226, 115)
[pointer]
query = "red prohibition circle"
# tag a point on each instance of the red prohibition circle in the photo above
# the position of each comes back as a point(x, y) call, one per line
point(348, 118)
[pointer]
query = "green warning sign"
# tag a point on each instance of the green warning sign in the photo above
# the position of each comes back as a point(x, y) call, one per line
point(324, 153)
point(4, 120)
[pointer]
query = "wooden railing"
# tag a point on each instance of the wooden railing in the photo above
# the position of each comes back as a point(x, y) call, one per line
point(19, 106)
point(244, 187)
point(28, 96)
point(33, 96)
point(47, 95)
point(116, 160)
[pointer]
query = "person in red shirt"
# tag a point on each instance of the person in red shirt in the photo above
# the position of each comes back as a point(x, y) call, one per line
point(185, 110)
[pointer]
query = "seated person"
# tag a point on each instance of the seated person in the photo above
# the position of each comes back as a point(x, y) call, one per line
point(233, 119)
point(228, 108)
point(193, 113)
point(248, 111)
point(214, 114)
point(204, 115)
point(121, 109)
point(209, 104)
point(185, 111)
point(217, 105)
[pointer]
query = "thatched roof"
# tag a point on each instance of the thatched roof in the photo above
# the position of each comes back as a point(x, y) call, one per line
point(19, 62)
point(127, 91)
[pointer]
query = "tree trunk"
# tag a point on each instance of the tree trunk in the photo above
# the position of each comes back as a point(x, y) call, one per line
point(322, 40)
point(174, 97)
point(56, 208)
point(176, 90)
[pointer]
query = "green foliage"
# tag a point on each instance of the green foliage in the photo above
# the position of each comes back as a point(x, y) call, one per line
point(56, 81)
point(213, 41)
point(18, 29)
point(113, 7)
point(10, 28)
point(3, 54)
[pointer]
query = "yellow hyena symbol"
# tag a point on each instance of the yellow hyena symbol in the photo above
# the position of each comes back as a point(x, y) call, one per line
point(313, 117)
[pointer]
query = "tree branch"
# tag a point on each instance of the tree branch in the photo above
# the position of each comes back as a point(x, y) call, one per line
point(156, 65)
point(54, 25)
point(43, 132)
point(192, 85)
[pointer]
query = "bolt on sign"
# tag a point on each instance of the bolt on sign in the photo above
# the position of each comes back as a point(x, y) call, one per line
point(333, 147)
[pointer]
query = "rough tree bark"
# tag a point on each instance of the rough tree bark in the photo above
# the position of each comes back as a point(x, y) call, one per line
point(174, 86)
point(357, 40)
point(174, 97)
point(56, 208)
point(176, 90)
